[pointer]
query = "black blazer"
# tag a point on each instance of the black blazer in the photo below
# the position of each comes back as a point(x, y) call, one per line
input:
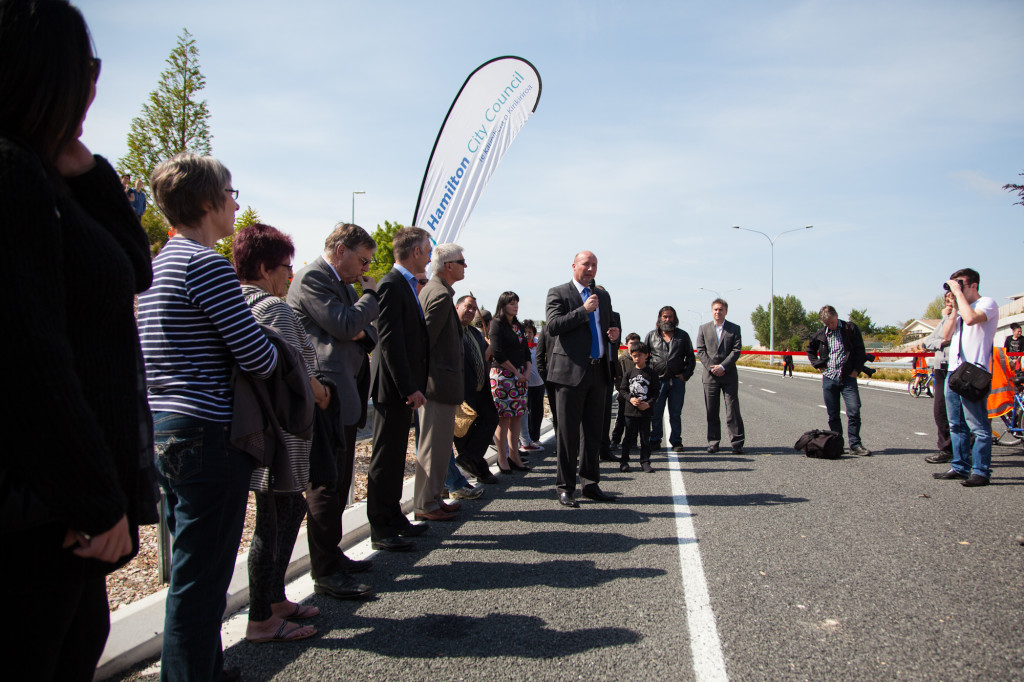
point(399, 366)
point(568, 323)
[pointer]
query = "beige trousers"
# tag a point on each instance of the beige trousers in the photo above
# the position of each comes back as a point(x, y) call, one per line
point(433, 452)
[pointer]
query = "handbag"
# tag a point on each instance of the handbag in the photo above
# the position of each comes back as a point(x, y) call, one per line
point(464, 418)
point(969, 380)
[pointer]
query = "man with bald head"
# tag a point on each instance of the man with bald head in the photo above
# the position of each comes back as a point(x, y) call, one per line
point(584, 344)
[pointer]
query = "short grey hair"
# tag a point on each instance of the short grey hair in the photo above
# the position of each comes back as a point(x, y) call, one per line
point(446, 253)
point(826, 313)
point(183, 184)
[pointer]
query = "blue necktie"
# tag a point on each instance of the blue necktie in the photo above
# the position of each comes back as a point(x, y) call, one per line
point(595, 340)
point(412, 283)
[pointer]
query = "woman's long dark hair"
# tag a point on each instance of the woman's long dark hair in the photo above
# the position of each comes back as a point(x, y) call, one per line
point(504, 300)
point(46, 73)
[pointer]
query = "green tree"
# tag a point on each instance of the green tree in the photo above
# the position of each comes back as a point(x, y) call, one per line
point(861, 319)
point(384, 256)
point(933, 311)
point(1019, 189)
point(225, 247)
point(173, 120)
point(790, 320)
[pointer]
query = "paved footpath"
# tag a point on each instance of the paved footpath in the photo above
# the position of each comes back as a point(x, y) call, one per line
point(759, 566)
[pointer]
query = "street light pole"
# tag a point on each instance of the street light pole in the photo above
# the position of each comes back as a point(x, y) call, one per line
point(771, 304)
point(354, 206)
point(715, 292)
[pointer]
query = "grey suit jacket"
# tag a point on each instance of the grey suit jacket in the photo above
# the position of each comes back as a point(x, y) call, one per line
point(568, 324)
point(333, 316)
point(444, 337)
point(725, 353)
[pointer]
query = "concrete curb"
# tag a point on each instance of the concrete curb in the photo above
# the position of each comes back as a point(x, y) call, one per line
point(897, 386)
point(136, 630)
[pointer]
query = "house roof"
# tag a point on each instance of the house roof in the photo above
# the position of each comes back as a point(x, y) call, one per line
point(931, 324)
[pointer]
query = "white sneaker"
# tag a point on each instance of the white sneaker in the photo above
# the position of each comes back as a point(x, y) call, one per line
point(467, 493)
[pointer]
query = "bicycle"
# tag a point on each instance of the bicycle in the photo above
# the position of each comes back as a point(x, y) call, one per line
point(921, 383)
point(1013, 428)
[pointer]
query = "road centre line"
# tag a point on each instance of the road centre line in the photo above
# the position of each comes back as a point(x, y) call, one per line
point(708, 661)
point(767, 391)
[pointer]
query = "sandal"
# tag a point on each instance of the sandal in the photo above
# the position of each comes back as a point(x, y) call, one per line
point(302, 612)
point(285, 635)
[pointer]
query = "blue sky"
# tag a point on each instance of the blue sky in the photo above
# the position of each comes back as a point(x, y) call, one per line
point(890, 126)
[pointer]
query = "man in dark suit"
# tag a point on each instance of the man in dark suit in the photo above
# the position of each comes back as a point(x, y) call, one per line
point(338, 323)
point(473, 446)
point(398, 382)
point(718, 348)
point(444, 384)
point(579, 321)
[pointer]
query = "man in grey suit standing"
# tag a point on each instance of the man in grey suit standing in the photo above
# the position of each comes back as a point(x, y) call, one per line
point(338, 323)
point(584, 345)
point(718, 348)
point(445, 387)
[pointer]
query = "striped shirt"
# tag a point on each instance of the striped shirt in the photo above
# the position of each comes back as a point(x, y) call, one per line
point(273, 312)
point(195, 327)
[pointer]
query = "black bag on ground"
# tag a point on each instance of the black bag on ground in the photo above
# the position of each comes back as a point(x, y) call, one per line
point(821, 444)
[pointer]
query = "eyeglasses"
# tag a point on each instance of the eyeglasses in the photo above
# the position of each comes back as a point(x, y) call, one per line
point(364, 261)
point(286, 265)
point(95, 63)
point(424, 282)
point(461, 261)
point(233, 193)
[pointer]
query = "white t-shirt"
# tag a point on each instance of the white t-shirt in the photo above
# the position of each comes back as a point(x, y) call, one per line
point(978, 338)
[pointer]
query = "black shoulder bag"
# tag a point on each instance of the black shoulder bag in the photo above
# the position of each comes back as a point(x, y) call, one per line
point(968, 380)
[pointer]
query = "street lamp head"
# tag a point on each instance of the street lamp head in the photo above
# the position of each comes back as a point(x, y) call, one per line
point(808, 227)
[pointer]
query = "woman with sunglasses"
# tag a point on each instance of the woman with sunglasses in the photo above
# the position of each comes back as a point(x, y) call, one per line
point(73, 484)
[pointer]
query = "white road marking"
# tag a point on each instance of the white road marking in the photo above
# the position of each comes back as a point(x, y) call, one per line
point(767, 391)
point(918, 433)
point(708, 661)
point(825, 408)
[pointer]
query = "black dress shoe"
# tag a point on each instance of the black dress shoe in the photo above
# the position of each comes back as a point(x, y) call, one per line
point(712, 449)
point(414, 530)
point(566, 499)
point(341, 585)
point(518, 467)
point(488, 478)
point(355, 565)
point(975, 481)
point(940, 457)
point(608, 457)
point(393, 544)
point(737, 450)
point(950, 475)
point(593, 492)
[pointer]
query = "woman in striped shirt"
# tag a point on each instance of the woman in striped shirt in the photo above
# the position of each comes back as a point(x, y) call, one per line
point(263, 261)
point(195, 327)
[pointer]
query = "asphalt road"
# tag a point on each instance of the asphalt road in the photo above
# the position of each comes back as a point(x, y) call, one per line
point(856, 569)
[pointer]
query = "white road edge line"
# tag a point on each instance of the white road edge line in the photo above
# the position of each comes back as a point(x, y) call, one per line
point(708, 661)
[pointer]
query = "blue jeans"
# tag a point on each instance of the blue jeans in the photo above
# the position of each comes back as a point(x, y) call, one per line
point(967, 418)
point(847, 388)
point(673, 391)
point(455, 480)
point(206, 483)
